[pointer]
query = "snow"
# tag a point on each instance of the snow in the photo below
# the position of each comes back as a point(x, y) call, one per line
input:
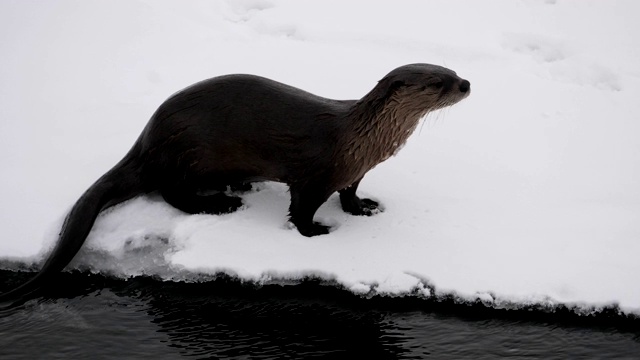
point(527, 192)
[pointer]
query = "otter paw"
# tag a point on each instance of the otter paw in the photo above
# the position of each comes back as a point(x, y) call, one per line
point(362, 207)
point(240, 187)
point(222, 204)
point(313, 229)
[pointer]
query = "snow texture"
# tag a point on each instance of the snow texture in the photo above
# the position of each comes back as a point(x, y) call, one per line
point(527, 192)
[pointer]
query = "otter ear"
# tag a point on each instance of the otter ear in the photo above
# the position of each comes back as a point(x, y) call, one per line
point(394, 86)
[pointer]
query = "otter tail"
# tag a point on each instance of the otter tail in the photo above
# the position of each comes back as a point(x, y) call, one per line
point(121, 183)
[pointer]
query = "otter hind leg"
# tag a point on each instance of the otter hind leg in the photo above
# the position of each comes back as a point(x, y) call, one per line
point(241, 187)
point(354, 205)
point(234, 187)
point(192, 203)
point(305, 201)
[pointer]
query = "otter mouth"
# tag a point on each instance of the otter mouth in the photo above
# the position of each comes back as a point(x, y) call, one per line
point(457, 93)
point(463, 90)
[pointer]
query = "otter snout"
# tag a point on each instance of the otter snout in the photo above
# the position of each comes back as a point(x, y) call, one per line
point(465, 86)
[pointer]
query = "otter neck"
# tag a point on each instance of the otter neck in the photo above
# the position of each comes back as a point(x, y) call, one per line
point(379, 127)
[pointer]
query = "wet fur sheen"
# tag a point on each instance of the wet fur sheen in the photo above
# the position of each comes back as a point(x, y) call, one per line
point(236, 129)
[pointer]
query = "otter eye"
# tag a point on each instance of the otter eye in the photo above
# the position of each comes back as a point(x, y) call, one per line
point(437, 84)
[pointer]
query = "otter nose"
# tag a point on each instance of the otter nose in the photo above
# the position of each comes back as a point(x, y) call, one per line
point(464, 86)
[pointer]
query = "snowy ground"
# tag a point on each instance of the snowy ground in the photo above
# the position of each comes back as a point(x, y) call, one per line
point(526, 192)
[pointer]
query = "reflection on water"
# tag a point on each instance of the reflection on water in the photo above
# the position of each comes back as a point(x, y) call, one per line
point(95, 317)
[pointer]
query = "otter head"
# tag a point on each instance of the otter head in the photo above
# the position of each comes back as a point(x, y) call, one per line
point(421, 88)
point(384, 118)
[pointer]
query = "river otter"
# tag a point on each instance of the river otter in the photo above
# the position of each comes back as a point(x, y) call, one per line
point(237, 129)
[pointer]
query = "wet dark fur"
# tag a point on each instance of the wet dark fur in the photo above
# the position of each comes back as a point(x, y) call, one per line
point(237, 129)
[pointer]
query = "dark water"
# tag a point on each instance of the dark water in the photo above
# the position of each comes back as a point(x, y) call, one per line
point(94, 317)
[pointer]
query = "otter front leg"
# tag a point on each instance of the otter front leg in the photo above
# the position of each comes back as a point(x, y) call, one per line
point(352, 204)
point(305, 201)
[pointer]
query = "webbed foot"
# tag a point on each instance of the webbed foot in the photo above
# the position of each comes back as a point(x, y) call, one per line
point(362, 207)
point(313, 229)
